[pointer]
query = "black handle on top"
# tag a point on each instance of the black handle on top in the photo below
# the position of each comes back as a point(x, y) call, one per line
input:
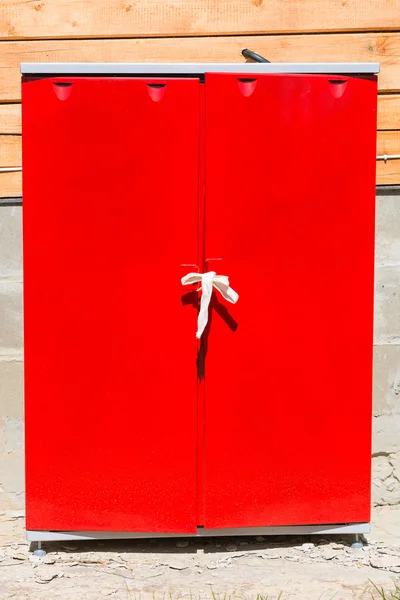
point(254, 56)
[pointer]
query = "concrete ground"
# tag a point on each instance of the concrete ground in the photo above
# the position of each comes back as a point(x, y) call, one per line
point(312, 568)
point(172, 569)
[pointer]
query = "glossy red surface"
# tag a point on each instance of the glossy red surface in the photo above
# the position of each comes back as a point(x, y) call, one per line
point(128, 185)
point(110, 213)
point(290, 175)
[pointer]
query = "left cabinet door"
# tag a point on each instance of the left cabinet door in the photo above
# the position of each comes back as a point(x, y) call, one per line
point(110, 193)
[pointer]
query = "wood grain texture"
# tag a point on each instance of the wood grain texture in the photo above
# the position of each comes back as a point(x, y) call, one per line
point(388, 114)
point(388, 143)
point(10, 151)
point(371, 47)
point(388, 119)
point(10, 118)
point(389, 111)
point(388, 173)
point(130, 18)
point(10, 184)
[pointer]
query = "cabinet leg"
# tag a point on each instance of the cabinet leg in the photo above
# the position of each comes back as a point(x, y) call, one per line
point(357, 542)
point(39, 551)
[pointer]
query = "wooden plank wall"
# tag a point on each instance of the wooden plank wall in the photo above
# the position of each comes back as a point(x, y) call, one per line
point(197, 31)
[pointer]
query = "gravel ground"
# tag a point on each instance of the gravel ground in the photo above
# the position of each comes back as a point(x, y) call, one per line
point(319, 568)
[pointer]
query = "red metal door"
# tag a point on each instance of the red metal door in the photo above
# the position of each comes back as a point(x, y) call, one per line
point(290, 167)
point(110, 213)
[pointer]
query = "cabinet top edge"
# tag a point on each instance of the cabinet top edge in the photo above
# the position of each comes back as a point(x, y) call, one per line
point(195, 68)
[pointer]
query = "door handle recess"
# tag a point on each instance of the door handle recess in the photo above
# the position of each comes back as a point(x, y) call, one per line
point(156, 91)
point(337, 87)
point(247, 85)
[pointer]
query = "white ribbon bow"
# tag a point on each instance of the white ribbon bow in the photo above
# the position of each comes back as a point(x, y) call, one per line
point(208, 280)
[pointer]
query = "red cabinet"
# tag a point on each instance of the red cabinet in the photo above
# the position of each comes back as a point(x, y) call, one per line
point(290, 210)
point(130, 182)
point(110, 211)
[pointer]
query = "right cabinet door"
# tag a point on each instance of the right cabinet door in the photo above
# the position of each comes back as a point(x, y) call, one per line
point(290, 195)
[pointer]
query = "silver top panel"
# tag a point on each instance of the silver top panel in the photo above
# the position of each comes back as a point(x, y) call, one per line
point(194, 68)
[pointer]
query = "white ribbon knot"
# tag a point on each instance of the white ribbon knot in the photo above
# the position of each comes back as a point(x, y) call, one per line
point(208, 280)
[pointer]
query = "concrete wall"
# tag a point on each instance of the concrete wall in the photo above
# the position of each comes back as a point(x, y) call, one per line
point(11, 359)
point(386, 422)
